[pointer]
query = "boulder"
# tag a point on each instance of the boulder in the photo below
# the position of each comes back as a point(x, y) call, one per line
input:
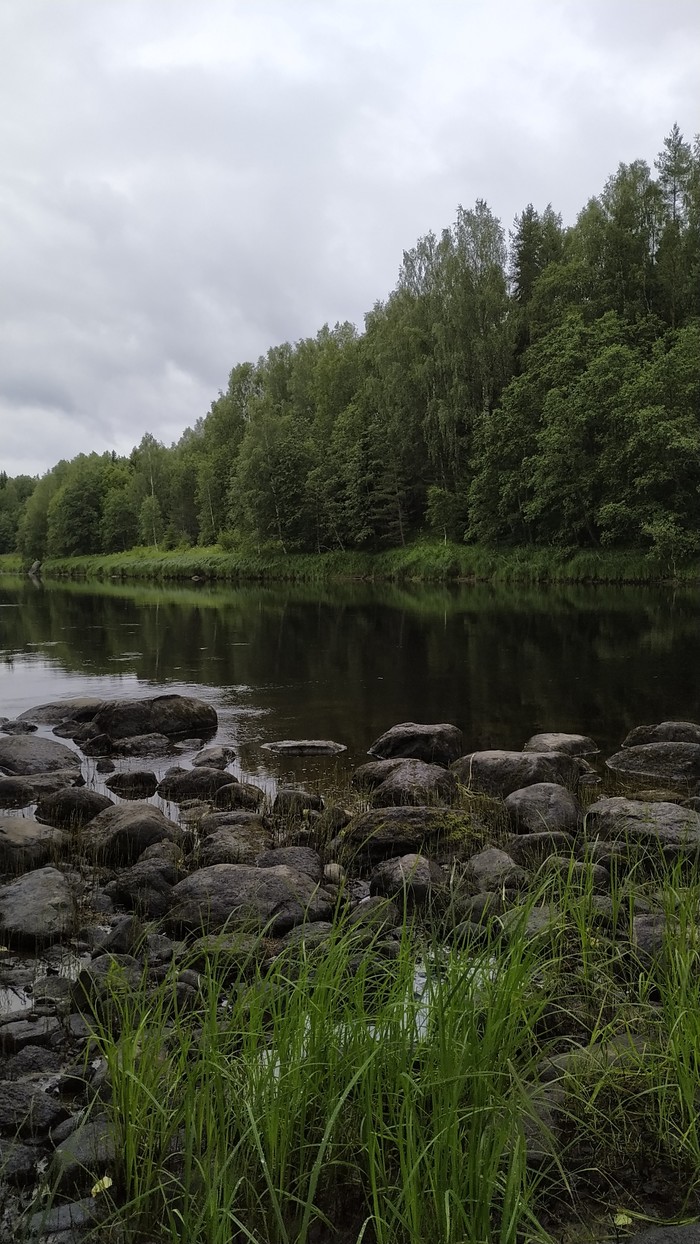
point(372, 774)
point(385, 832)
point(374, 914)
point(37, 908)
point(665, 732)
point(415, 782)
point(15, 792)
point(120, 834)
point(570, 744)
point(530, 850)
point(72, 807)
point(242, 795)
point(542, 806)
point(87, 1154)
point(294, 803)
point(171, 715)
point(27, 1111)
point(17, 1162)
point(106, 980)
point(202, 783)
point(24, 755)
point(25, 844)
point(133, 784)
point(83, 708)
point(660, 825)
point(230, 844)
point(305, 747)
point(145, 888)
point(21, 1033)
point(414, 878)
point(499, 773)
point(493, 869)
point(18, 727)
point(303, 859)
point(214, 757)
point(152, 744)
point(234, 895)
point(436, 744)
point(677, 764)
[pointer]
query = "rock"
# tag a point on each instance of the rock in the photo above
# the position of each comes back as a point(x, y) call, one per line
point(649, 937)
point(105, 765)
point(577, 874)
point(17, 1162)
point(665, 732)
point(309, 935)
point(83, 708)
point(415, 782)
point(229, 844)
point(570, 744)
point(33, 1031)
point(683, 1233)
point(72, 807)
point(140, 745)
point(15, 792)
point(305, 747)
point(660, 825)
point(234, 895)
point(202, 783)
point(25, 844)
point(385, 832)
point(255, 826)
point(303, 859)
point(413, 878)
point(160, 714)
point(668, 762)
point(120, 834)
point(18, 727)
point(542, 806)
point(60, 1223)
point(374, 914)
point(145, 888)
point(27, 1111)
point(295, 803)
point(32, 1060)
point(435, 744)
point(492, 869)
point(37, 908)
point(108, 979)
point(214, 757)
point(239, 795)
point(530, 850)
point(371, 775)
point(133, 784)
point(24, 755)
point(500, 773)
point(334, 874)
point(84, 1156)
point(123, 938)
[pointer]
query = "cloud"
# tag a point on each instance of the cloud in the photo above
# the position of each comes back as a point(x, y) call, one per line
point(183, 186)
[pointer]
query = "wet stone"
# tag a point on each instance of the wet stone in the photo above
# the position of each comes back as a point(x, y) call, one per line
point(27, 1111)
point(32, 1031)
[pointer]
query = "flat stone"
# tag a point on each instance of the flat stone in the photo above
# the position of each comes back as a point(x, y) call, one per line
point(305, 747)
point(647, 824)
point(70, 1217)
point(668, 762)
point(665, 732)
point(25, 755)
point(33, 1031)
point(555, 741)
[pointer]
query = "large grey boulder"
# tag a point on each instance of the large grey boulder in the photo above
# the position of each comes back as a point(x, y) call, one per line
point(37, 908)
point(675, 764)
point(230, 844)
point(243, 795)
point(440, 743)
point(161, 714)
point(24, 755)
point(120, 834)
point(235, 895)
point(500, 772)
point(384, 832)
point(665, 732)
point(146, 887)
point(665, 825)
point(544, 805)
point(556, 741)
point(72, 807)
point(82, 708)
point(372, 774)
point(302, 859)
point(415, 782)
point(25, 844)
point(493, 869)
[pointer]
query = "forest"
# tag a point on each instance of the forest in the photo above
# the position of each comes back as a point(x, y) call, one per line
point(540, 387)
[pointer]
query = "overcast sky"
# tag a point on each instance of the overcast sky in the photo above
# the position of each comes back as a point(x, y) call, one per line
point(184, 183)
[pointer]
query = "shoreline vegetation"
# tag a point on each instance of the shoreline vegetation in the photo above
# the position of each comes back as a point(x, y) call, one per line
point(421, 562)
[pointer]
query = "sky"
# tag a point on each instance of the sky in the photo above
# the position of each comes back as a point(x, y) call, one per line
point(185, 183)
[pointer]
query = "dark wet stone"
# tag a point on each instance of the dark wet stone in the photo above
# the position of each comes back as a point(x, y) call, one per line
point(24, 756)
point(665, 732)
point(37, 908)
point(27, 1111)
point(684, 1233)
point(676, 763)
point(309, 935)
point(385, 832)
point(660, 825)
point(32, 1060)
point(18, 727)
point(372, 774)
point(71, 808)
point(305, 747)
point(84, 1156)
point(303, 859)
point(294, 803)
point(439, 743)
point(374, 913)
point(494, 870)
point(121, 834)
point(231, 844)
point(108, 977)
point(72, 1216)
point(15, 792)
point(239, 795)
point(214, 757)
point(83, 708)
point(202, 783)
point(145, 888)
point(530, 850)
point(161, 714)
point(133, 784)
point(33, 1031)
point(141, 745)
point(17, 1162)
point(105, 765)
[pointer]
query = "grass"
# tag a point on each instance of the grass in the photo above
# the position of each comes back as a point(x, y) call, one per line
point(344, 1094)
point(421, 561)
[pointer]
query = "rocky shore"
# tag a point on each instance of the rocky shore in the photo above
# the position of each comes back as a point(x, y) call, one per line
point(101, 890)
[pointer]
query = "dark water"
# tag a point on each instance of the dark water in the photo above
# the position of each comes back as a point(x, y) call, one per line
point(347, 662)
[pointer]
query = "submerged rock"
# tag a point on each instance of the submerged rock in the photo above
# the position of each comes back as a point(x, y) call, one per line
point(440, 743)
point(133, 784)
point(305, 747)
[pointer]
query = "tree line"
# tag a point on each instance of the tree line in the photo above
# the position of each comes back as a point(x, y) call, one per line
point(542, 388)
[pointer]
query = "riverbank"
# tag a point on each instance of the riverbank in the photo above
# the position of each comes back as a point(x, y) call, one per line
point(423, 561)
